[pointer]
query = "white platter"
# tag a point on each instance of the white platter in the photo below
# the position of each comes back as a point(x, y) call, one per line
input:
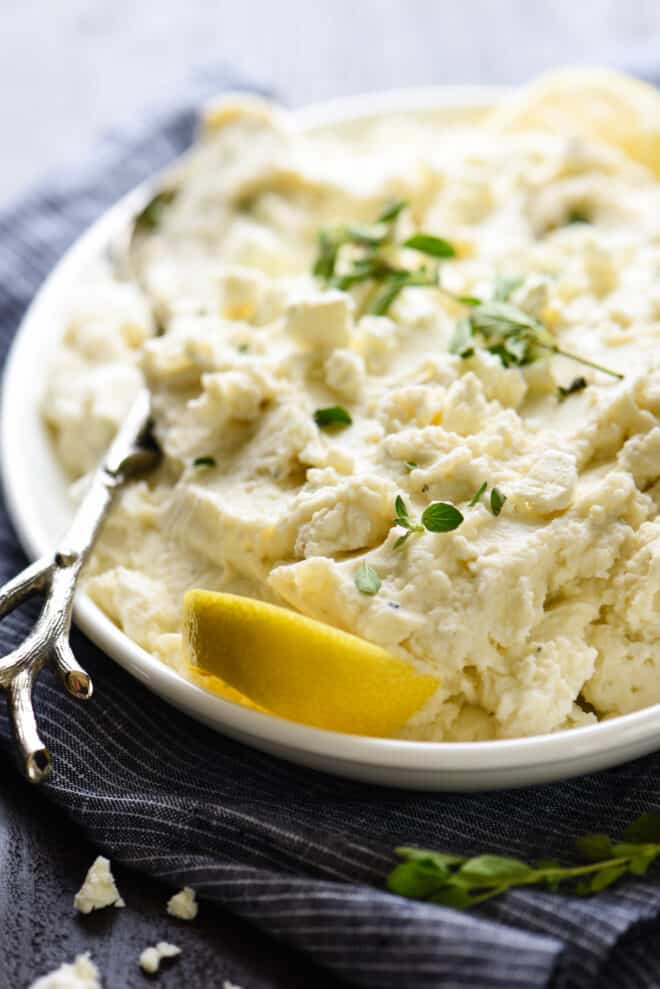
point(36, 493)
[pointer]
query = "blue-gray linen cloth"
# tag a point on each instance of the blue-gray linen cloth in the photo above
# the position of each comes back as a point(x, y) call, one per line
point(299, 854)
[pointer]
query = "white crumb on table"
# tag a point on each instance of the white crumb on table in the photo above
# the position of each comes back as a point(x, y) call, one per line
point(183, 904)
point(151, 957)
point(79, 974)
point(99, 888)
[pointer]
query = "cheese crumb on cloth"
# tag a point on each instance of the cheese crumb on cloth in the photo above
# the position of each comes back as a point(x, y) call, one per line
point(183, 904)
point(99, 889)
point(79, 974)
point(536, 619)
point(152, 956)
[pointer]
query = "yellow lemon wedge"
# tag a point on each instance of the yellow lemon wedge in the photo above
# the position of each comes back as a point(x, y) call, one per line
point(299, 668)
point(594, 103)
point(210, 682)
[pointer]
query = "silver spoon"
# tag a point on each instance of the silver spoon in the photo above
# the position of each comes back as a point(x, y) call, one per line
point(55, 578)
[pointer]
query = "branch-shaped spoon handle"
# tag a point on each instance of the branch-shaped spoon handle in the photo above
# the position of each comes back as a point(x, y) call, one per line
point(56, 578)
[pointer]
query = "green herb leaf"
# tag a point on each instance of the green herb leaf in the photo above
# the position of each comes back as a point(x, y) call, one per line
point(415, 882)
point(411, 466)
point(427, 858)
point(373, 263)
point(367, 235)
point(435, 247)
point(499, 322)
point(476, 497)
point(577, 384)
point(396, 281)
point(594, 847)
point(512, 335)
point(402, 518)
point(486, 869)
point(601, 880)
point(440, 516)
point(382, 302)
point(462, 340)
point(204, 462)
point(497, 500)
point(333, 415)
point(363, 270)
point(149, 218)
point(577, 215)
point(456, 897)
point(645, 829)
point(641, 860)
point(391, 212)
point(505, 286)
point(326, 260)
point(367, 580)
point(401, 511)
point(455, 881)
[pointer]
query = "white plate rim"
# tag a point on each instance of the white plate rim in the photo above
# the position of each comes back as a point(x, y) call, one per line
point(430, 765)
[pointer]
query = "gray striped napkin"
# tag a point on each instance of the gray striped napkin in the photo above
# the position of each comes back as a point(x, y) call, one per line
point(299, 854)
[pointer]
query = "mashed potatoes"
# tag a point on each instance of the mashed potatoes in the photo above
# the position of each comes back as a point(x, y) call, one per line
point(538, 617)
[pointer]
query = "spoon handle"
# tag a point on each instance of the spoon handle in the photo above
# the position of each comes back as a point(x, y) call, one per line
point(56, 578)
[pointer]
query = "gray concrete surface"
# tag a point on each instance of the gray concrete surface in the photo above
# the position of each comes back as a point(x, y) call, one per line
point(70, 68)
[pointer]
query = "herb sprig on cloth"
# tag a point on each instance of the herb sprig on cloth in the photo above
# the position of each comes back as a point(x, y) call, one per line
point(373, 259)
point(462, 882)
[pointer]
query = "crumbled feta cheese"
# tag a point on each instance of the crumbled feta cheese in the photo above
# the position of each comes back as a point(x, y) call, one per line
point(321, 321)
point(79, 974)
point(99, 889)
point(151, 957)
point(247, 295)
point(344, 373)
point(183, 904)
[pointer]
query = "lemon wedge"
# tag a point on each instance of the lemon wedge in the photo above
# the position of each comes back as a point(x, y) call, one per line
point(595, 103)
point(213, 683)
point(299, 668)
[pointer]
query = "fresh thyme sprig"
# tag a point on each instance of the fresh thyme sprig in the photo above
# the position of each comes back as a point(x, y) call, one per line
point(461, 882)
point(497, 500)
point(512, 334)
point(373, 250)
point(402, 519)
point(439, 516)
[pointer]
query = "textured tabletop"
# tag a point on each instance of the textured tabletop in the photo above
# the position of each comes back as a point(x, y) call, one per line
point(67, 71)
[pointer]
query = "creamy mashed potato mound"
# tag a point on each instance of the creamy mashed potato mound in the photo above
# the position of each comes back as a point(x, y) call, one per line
point(543, 617)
